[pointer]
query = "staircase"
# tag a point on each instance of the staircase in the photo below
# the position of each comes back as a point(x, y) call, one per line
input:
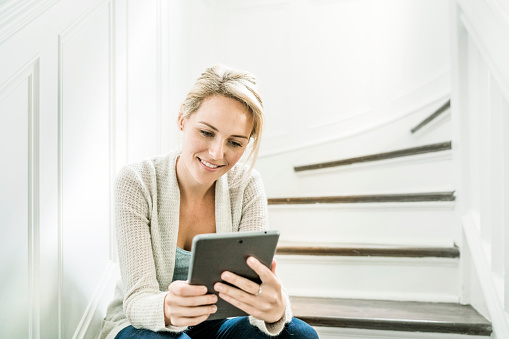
point(380, 263)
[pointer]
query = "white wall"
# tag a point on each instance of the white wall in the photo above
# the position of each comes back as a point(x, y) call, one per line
point(86, 86)
point(83, 89)
point(327, 67)
point(480, 116)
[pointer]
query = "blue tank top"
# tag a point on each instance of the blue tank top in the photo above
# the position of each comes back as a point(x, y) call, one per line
point(182, 261)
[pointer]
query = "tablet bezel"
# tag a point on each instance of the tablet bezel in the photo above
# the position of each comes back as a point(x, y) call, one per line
point(214, 253)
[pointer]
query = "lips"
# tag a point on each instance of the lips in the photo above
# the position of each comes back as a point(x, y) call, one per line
point(209, 164)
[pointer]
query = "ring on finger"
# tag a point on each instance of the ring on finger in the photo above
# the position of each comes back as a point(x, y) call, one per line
point(259, 291)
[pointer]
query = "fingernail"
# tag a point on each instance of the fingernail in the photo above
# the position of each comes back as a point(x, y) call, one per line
point(214, 309)
point(252, 260)
point(226, 275)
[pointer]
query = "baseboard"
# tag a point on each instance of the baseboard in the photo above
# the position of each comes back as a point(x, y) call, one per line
point(90, 323)
point(494, 301)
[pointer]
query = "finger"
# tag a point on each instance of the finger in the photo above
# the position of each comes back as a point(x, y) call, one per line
point(241, 282)
point(235, 293)
point(183, 321)
point(192, 312)
point(208, 299)
point(273, 266)
point(183, 289)
point(263, 271)
point(249, 309)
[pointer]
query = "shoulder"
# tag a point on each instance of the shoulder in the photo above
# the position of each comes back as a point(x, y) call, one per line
point(146, 170)
point(245, 181)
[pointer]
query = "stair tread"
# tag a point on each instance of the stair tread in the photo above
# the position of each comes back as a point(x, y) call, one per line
point(437, 147)
point(433, 116)
point(403, 197)
point(337, 249)
point(391, 315)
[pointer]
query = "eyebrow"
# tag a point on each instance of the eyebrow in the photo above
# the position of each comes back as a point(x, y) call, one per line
point(215, 129)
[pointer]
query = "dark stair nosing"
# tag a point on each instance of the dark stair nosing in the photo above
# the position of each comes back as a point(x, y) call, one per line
point(348, 250)
point(433, 116)
point(438, 147)
point(379, 198)
point(406, 316)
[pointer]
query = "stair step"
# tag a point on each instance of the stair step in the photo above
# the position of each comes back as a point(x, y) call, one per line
point(378, 198)
point(432, 117)
point(407, 316)
point(419, 224)
point(438, 147)
point(353, 250)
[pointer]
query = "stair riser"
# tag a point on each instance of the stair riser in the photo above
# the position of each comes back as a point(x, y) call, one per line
point(385, 223)
point(347, 333)
point(413, 174)
point(418, 279)
point(425, 172)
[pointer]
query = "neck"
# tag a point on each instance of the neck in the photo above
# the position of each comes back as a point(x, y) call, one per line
point(190, 190)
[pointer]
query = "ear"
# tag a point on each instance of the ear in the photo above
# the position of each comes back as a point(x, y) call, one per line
point(180, 119)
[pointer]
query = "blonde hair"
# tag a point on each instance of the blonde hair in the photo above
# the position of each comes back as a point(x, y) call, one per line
point(231, 83)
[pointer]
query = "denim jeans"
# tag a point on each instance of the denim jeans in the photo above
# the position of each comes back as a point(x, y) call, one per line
point(235, 328)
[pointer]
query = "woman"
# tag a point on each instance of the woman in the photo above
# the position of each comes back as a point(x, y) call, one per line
point(162, 203)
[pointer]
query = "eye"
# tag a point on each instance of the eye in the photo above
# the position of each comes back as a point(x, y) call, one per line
point(207, 133)
point(235, 143)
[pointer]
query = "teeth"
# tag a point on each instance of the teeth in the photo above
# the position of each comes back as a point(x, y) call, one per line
point(208, 164)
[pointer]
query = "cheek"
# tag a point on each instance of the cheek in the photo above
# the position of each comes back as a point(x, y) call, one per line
point(192, 144)
point(235, 157)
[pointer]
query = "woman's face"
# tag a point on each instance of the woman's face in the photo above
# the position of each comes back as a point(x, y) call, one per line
point(215, 137)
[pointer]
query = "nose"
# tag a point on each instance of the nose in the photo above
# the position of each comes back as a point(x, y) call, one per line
point(216, 149)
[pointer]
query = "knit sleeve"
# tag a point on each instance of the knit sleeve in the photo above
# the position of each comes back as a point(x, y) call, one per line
point(143, 301)
point(254, 218)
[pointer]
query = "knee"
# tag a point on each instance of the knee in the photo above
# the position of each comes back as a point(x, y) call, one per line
point(300, 329)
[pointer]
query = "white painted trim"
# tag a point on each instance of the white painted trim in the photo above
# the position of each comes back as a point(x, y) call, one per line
point(494, 301)
point(30, 72)
point(34, 202)
point(489, 33)
point(63, 37)
point(363, 129)
point(15, 14)
point(108, 279)
point(112, 125)
point(368, 261)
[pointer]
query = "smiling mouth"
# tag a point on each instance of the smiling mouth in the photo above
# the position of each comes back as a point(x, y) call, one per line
point(208, 164)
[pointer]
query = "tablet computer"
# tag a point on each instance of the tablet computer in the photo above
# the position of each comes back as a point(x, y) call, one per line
point(214, 253)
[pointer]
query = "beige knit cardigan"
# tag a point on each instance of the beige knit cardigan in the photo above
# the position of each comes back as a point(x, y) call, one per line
point(147, 220)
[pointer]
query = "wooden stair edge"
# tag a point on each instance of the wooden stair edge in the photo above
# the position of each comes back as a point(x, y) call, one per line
point(376, 198)
point(391, 315)
point(433, 116)
point(351, 250)
point(431, 148)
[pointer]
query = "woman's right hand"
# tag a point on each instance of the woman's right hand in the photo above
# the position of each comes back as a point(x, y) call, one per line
point(187, 305)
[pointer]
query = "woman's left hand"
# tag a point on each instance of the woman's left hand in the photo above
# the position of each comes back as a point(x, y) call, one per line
point(265, 302)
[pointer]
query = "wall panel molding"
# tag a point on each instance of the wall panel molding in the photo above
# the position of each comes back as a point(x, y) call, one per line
point(30, 73)
point(16, 14)
point(481, 263)
point(100, 298)
point(489, 36)
point(63, 38)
